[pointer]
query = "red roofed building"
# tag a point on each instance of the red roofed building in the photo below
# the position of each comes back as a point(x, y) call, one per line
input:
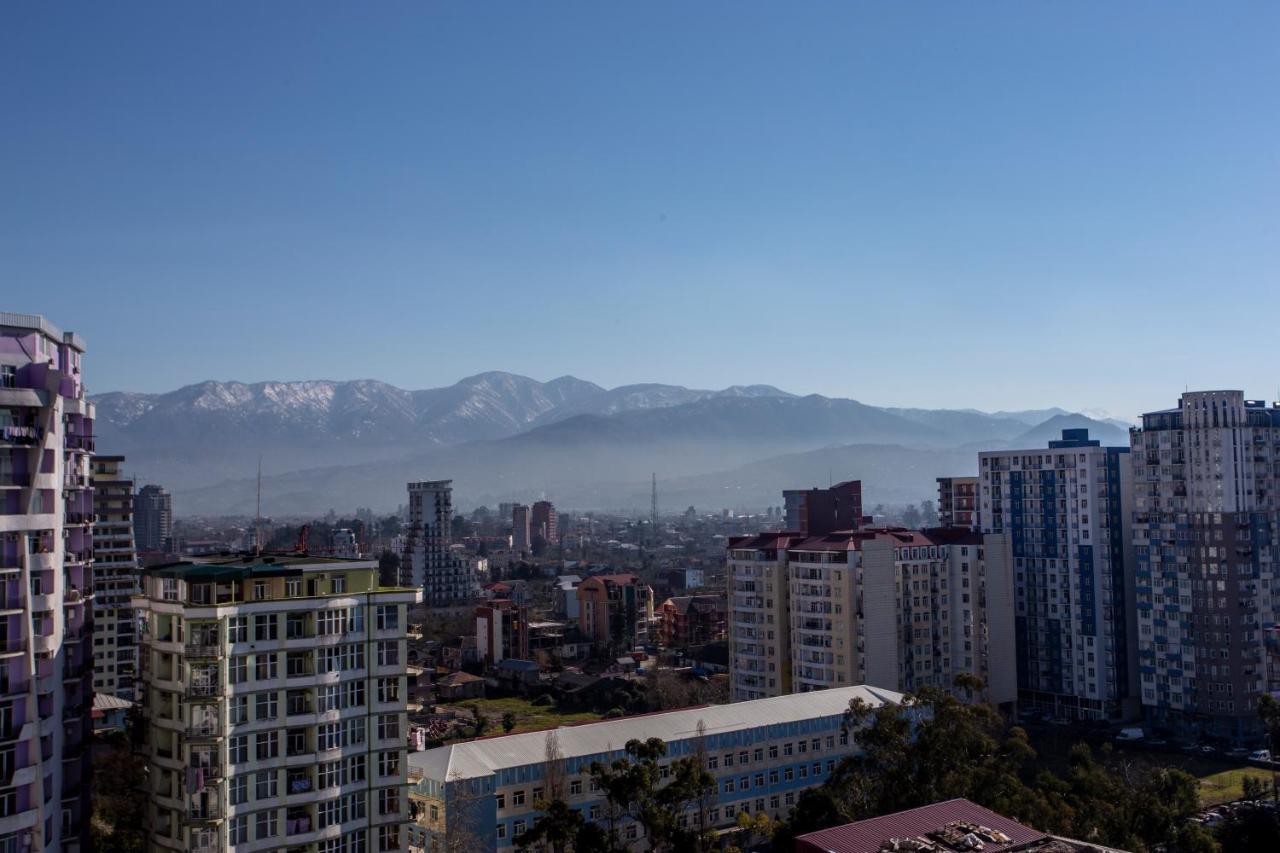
point(691, 619)
point(954, 826)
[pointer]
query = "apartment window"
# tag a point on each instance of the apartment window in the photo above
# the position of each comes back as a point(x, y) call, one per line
point(329, 774)
point(388, 801)
point(267, 827)
point(267, 745)
point(238, 629)
point(712, 762)
point(388, 690)
point(238, 830)
point(595, 812)
point(293, 587)
point(388, 726)
point(502, 800)
point(356, 768)
point(728, 759)
point(238, 669)
point(339, 584)
point(353, 694)
point(388, 838)
point(264, 627)
point(355, 731)
point(328, 736)
point(260, 590)
point(238, 749)
point(238, 789)
point(267, 706)
point(388, 616)
point(388, 652)
point(743, 757)
point(758, 755)
point(502, 830)
point(265, 667)
point(773, 751)
point(517, 798)
point(388, 763)
point(296, 742)
point(575, 787)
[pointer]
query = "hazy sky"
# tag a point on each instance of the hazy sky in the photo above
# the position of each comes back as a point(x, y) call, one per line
point(934, 204)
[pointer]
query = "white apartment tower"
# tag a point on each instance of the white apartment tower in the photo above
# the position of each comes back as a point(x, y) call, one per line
point(1207, 541)
point(275, 705)
point(1067, 509)
point(46, 559)
point(115, 580)
point(428, 562)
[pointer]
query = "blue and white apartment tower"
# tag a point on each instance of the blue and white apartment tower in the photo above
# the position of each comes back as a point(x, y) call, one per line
point(1067, 509)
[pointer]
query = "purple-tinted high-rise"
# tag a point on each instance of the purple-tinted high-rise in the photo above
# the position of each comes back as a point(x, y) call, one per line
point(46, 557)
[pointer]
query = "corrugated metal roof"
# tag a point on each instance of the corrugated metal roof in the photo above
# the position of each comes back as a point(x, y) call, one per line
point(866, 836)
point(482, 757)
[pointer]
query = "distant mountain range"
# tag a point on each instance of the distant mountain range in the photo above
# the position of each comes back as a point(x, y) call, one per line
point(501, 436)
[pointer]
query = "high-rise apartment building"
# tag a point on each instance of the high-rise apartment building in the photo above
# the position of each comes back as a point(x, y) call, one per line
point(890, 607)
point(612, 609)
point(428, 562)
point(958, 502)
point(543, 524)
point(1207, 541)
point(521, 529)
point(275, 705)
point(46, 558)
point(817, 511)
point(115, 580)
point(153, 518)
point(1067, 511)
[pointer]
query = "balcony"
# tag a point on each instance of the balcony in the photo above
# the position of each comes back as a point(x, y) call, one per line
point(203, 650)
point(208, 810)
point(204, 731)
point(198, 691)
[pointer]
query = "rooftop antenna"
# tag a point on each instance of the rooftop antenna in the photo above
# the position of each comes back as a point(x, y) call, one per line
point(257, 517)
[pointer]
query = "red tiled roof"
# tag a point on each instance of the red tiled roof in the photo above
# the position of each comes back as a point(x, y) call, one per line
point(866, 836)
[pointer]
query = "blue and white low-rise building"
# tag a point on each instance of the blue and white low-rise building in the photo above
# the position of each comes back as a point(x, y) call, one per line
point(763, 754)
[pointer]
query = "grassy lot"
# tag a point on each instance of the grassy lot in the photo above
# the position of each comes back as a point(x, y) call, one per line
point(1227, 785)
point(1221, 778)
point(529, 717)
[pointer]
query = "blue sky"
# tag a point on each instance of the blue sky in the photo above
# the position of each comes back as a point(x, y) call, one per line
point(939, 204)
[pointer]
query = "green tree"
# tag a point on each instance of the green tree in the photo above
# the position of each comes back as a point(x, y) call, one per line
point(508, 721)
point(634, 790)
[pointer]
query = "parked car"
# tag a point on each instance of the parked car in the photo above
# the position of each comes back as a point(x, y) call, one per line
point(1260, 755)
point(1129, 735)
point(1207, 750)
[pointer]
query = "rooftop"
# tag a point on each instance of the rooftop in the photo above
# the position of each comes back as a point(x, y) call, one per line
point(479, 758)
point(231, 567)
point(952, 826)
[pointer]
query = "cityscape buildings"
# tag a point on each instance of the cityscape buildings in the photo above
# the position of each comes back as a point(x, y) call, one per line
point(890, 607)
point(275, 713)
point(115, 580)
point(428, 562)
point(153, 518)
point(1207, 541)
point(502, 631)
point(763, 755)
point(818, 511)
point(46, 557)
point(958, 502)
point(542, 524)
point(611, 608)
point(521, 529)
point(1067, 511)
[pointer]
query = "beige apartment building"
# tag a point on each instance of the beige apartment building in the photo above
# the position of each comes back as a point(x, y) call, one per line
point(274, 692)
point(888, 607)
